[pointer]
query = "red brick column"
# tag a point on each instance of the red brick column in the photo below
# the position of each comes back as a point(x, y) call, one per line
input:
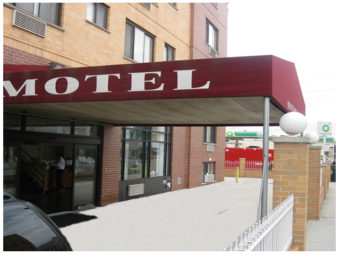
point(110, 175)
point(180, 151)
point(314, 202)
point(290, 174)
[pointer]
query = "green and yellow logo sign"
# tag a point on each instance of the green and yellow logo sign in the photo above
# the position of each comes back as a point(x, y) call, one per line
point(229, 133)
point(325, 128)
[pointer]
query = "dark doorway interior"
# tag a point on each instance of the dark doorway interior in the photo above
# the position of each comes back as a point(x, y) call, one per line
point(37, 178)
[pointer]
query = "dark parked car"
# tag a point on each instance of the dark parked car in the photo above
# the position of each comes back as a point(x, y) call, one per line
point(27, 228)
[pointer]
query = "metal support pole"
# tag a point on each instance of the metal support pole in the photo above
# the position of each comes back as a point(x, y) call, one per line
point(262, 210)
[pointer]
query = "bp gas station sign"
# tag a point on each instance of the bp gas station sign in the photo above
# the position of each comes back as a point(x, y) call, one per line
point(324, 128)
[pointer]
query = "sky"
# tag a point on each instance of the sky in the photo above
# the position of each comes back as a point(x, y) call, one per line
point(306, 33)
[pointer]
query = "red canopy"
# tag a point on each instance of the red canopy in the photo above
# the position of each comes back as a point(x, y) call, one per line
point(206, 91)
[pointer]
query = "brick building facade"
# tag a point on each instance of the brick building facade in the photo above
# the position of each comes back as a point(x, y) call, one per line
point(105, 34)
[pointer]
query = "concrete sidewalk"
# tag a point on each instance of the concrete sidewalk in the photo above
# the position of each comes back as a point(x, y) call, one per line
point(321, 234)
point(206, 218)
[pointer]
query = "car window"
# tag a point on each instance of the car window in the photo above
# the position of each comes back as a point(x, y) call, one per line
point(24, 230)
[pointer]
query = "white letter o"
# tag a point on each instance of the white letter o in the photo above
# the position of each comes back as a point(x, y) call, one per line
point(72, 85)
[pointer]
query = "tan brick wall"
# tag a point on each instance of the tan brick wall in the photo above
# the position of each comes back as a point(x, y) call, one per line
point(247, 173)
point(314, 202)
point(80, 43)
point(290, 174)
point(326, 172)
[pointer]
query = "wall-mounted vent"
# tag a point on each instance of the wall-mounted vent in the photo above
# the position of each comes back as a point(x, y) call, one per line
point(29, 23)
point(135, 190)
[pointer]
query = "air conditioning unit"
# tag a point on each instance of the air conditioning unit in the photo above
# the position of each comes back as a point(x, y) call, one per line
point(209, 178)
point(135, 189)
point(210, 147)
point(29, 23)
point(212, 51)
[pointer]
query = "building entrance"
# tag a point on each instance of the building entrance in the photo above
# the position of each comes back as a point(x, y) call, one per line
point(30, 174)
point(38, 175)
point(30, 164)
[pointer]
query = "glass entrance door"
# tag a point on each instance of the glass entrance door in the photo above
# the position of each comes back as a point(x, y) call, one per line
point(85, 160)
point(10, 161)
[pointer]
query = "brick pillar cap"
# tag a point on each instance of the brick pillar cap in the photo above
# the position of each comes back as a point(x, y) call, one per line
point(290, 139)
point(315, 147)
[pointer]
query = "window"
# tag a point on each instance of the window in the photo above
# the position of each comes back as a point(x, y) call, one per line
point(209, 134)
point(85, 129)
point(212, 36)
point(208, 172)
point(11, 121)
point(169, 53)
point(173, 5)
point(97, 14)
point(50, 12)
point(146, 5)
point(145, 152)
point(46, 125)
point(138, 44)
point(214, 4)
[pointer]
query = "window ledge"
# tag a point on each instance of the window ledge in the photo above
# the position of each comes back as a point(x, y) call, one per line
point(130, 59)
point(207, 183)
point(210, 143)
point(101, 28)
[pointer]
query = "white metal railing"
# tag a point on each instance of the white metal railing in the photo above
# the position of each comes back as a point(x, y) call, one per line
point(231, 165)
point(249, 165)
point(253, 165)
point(273, 233)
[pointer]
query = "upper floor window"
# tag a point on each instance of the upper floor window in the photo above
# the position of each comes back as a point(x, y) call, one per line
point(50, 12)
point(173, 5)
point(139, 44)
point(212, 36)
point(209, 134)
point(97, 14)
point(146, 5)
point(169, 53)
